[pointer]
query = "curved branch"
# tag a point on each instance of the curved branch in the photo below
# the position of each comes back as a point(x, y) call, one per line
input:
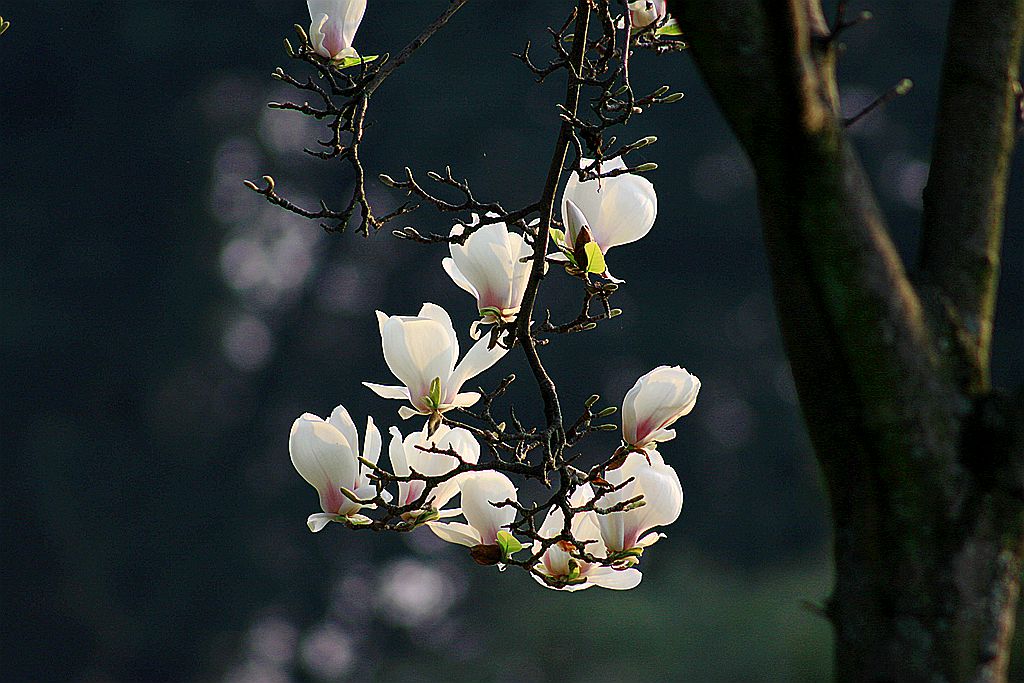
point(552, 409)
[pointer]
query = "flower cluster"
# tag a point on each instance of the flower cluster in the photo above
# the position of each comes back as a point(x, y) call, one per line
point(611, 518)
point(455, 471)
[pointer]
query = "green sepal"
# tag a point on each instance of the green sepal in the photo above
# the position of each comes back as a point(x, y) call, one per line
point(356, 520)
point(558, 236)
point(490, 311)
point(670, 29)
point(509, 544)
point(433, 399)
point(346, 62)
point(595, 258)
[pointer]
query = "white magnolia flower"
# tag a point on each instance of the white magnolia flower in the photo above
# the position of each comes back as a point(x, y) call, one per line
point(490, 266)
point(484, 520)
point(655, 402)
point(407, 456)
point(325, 453)
point(334, 25)
point(662, 493)
point(566, 572)
point(421, 351)
point(615, 210)
point(643, 13)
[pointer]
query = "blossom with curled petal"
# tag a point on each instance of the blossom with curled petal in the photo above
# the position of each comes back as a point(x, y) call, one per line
point(625, 533)
point(325, 453)
point(421, 352)
point(607, 212)
point(655, 402)
point(334, 25)
point(562, 571)
point(407, 456)
point(493, 266)
point(484, 521)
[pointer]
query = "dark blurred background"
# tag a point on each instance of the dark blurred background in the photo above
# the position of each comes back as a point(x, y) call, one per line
point(162, 327)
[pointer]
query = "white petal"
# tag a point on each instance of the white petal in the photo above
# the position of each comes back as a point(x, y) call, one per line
point(479, 490)
point(629, 207)
point(322, 456)
point(615, 579)
point(371, 447)
point(455, 532)
point(662, 493)
point(316, 33)
point(342, 421)
point(435, 312)
point(456, 275)
point(397, 454)
point(465, 399)
point(381, 319)
point(353, 17)
point(418, 350)
point(487, 261)
point(650, 539)
point(587, 196)
point(613, 526)
point(405, 412)
point(388, 391)
point(319, 520)
point(521, 275)
point(478, 359)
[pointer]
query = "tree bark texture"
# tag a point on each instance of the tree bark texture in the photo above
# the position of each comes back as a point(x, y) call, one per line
point(923, 460)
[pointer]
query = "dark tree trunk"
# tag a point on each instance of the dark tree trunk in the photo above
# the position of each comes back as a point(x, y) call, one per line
point(923, 461)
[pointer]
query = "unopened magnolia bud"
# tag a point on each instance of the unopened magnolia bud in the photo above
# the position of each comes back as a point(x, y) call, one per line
point(866, 16)
point(288, 48)
point(644, 168)
point(387, 180)
point(606, 428)
point(674, 97)
point(904, 86)
point(643, 142)
point(590, 326)
point(592, 400)
point(661, 91)
point(615, 312)
point(610, 410)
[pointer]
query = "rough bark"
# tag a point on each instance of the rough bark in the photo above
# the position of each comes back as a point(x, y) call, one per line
point(922, 462)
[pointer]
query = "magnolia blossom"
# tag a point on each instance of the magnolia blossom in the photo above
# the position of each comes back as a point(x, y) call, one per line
point(655, 402)
point(484, 520)
point(491, 267)
point(407, 455)
point(643, 13)
point(662, 493)
point(334, 25)
point(565, 572)
point(421, 351)
point(325, 453)
point(607, 211)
